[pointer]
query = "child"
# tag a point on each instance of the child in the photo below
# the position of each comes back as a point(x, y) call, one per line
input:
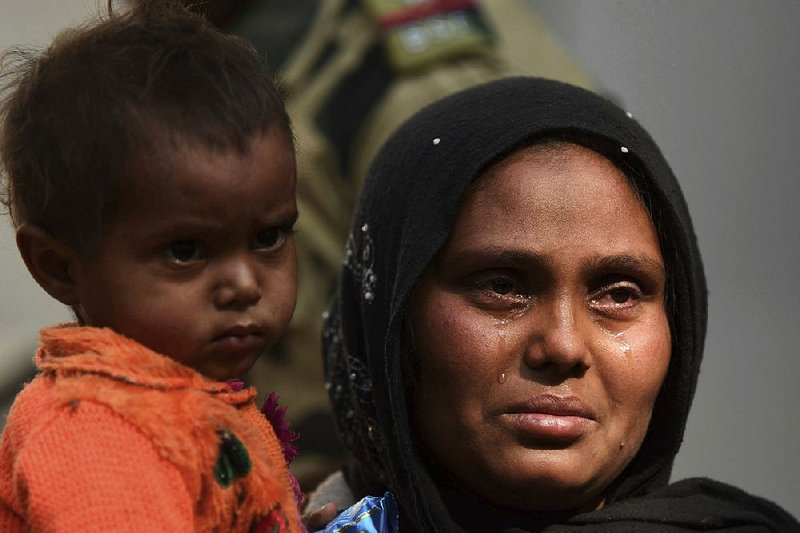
point(151, 178)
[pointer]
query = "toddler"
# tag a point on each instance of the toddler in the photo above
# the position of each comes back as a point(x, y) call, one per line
point(150, 174)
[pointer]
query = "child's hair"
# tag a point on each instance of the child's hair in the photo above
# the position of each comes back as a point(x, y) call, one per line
point(101, 97)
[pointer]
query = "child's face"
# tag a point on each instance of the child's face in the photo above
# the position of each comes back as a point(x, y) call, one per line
point(199, 261)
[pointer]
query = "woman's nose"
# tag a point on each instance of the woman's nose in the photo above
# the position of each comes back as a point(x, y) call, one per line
point(238, 284)
point(557, 338)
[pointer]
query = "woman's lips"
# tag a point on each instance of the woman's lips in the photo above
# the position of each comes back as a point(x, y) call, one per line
point(551, 418)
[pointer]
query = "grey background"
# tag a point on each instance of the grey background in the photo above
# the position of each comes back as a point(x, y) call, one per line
point(716, 84)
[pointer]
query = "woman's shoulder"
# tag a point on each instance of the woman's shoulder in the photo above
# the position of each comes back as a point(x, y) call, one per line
point(731, 502)
point(714, 504)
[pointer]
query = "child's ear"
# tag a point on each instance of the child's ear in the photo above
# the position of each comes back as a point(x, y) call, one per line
point(49, 261)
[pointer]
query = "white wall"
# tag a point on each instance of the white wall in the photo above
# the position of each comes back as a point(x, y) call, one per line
point(716, 83)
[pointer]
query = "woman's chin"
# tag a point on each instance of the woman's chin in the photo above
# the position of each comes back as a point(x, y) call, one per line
point(551, 489)
point(551, 499)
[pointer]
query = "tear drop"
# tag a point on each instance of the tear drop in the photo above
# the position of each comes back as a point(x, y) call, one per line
point(502, 378)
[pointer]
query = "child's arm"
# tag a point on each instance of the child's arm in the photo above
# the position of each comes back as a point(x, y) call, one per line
point(91, 470)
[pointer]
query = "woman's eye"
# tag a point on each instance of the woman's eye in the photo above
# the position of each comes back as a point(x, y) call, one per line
point(620, 295)
point(501, 286)
point(269, 239)
point(184, 251)
point(617, 297)
point(498, 292)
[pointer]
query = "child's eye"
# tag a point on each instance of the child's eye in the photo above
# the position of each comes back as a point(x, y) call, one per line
point(180, 252)
point(270, 239)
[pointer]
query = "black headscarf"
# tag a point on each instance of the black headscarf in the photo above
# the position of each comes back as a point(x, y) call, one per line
point(407, 206)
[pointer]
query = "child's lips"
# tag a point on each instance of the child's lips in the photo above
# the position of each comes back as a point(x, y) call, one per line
point(241, 337)
point(241, 330)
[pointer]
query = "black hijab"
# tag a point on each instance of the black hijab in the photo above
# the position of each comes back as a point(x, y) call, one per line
point(407, 206)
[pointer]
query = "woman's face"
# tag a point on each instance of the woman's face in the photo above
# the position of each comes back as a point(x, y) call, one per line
point(541, 332)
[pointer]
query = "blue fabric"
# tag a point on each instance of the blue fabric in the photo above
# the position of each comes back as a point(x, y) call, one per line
point(371, 514)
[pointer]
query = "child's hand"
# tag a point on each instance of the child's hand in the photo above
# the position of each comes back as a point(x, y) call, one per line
point(320, 518)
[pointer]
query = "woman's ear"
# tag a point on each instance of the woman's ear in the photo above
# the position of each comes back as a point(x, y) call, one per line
point(49, 261)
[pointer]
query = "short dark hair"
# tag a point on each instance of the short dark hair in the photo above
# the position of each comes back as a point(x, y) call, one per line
point(102, 95)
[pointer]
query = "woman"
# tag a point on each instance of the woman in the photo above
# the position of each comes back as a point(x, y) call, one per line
point(518, 331)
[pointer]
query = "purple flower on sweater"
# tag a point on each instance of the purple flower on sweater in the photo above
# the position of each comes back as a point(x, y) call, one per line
point(277, 417)
point(236, 384)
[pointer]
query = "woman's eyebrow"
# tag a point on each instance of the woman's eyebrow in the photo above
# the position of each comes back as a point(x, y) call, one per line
point(526, 258)
point(500, 255)
point(627, 262)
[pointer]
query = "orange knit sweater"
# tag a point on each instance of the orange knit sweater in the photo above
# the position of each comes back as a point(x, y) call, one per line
point(111, 436)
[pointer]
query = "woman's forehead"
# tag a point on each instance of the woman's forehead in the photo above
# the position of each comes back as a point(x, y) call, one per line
point(559, 178)
point(546, 202)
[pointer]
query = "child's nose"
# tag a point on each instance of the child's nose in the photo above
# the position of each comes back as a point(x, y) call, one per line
point(238, 284)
